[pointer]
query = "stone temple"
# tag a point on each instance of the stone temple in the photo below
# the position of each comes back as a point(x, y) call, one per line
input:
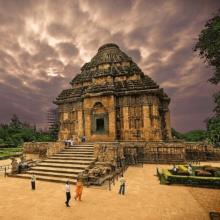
point(124, 117)
point(113, 100)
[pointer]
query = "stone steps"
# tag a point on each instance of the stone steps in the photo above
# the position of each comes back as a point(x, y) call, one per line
point(79, 148)
point(79, 151)
point(83, 145)
point(76, 153)
point(62, 166)
point(68, 161)
point(58, 170)
point(78, 166)
point(55, 174)
point(90, 159)
point(46, 178)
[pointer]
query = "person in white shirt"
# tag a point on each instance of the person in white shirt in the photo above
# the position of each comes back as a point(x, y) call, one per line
point(68, 195)
point(122, 185)
point(174, 169)
point(190, 169)
point(33, 182)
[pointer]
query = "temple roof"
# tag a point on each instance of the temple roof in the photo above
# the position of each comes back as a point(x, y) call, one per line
point(111, 62)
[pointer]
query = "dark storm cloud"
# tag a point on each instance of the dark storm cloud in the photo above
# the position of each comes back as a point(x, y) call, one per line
point(67, 49)
point(43, 44)
point(58, 30)
point(135, 54)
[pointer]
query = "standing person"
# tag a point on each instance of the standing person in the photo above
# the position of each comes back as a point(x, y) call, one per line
point(79, 189)
point(122, 185)
point(68, 195)
point(33, 182)
point(174, 169)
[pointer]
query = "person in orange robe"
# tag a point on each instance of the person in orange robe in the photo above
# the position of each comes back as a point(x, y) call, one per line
point(79, 189)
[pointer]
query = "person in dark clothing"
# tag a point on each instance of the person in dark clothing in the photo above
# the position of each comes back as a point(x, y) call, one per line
point(122, 185)
point(33, 182)
point(68, 195)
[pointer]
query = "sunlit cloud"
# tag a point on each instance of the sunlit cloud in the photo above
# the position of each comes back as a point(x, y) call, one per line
point(43, 44)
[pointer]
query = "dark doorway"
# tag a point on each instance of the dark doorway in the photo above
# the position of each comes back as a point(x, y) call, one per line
point(100, 126)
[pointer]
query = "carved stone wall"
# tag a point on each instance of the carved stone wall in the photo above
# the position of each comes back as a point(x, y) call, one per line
point(41, 150)
point(157, 152)
point(135, 107)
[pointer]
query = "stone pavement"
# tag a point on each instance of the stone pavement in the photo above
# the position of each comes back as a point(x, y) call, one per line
point(145, 199)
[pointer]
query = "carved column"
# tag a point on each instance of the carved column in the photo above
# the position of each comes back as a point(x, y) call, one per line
point(126, 123)
point(147, 122)
point(156, 122)
point(80, 123)
point(168, 127)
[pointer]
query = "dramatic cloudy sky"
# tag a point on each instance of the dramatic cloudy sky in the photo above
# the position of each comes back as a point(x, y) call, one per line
point(43, 44)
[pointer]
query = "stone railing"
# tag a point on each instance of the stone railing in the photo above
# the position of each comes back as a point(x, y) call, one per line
point(41, 150)
point(107, 152)
point(158, 151)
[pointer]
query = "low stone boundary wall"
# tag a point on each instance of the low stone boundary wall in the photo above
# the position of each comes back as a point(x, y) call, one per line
point(108, 152)
point(156, 152)
point(41, 150)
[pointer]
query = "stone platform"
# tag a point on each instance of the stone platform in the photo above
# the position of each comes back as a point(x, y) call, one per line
point(145, 199)
point(64, 165)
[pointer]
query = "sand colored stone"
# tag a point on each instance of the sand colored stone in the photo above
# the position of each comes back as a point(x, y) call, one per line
point(145, 199)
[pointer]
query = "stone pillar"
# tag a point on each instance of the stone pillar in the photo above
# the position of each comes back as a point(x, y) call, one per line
point(112, 125)
point(80, 123)
point(147, 124)
point(168, 127)
point(126, 123)
point(156, 122)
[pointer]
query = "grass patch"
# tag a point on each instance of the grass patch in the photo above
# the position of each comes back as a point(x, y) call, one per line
point(8, 152)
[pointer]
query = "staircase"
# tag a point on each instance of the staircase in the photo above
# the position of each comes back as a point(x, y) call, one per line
point(62, 166)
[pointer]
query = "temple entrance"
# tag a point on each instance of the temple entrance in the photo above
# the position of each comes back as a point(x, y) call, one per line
point(100, 125)
point(99, 119)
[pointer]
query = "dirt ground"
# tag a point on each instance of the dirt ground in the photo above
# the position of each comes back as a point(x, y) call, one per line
point(145, 199)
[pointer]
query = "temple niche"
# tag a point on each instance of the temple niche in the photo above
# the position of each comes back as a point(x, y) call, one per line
point(112, 99)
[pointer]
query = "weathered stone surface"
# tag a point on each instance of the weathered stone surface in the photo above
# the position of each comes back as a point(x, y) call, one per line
point(156, 152)
point(41, 150)
point(112, 99)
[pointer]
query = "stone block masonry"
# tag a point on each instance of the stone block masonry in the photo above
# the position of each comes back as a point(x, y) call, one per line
point(111, 99)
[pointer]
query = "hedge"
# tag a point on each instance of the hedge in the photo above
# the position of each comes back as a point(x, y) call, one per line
point(212, 182)
point(183, 168)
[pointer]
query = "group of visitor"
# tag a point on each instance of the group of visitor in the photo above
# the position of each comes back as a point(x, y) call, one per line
point(75, 139)
point(69, 142)
point(79, 188)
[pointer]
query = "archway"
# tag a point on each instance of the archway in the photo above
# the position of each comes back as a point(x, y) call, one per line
point(99, 119)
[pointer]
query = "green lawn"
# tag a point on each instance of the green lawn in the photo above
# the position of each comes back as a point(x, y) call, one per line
point(7, 152)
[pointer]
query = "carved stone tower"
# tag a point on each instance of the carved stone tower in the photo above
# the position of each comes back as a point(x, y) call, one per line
point(111, 99)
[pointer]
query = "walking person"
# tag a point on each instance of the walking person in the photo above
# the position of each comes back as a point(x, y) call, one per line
point(79, 189)
point(33, 182)
point(122, 185)
point(68, 195)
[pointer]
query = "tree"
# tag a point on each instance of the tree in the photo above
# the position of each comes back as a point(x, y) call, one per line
point(17, 132)
point(208, 46)
point(194, 136)
point(176, 134)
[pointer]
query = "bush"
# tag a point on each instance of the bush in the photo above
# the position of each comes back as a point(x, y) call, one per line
point(182, 170)
point(202, 173)
point(212, 182)
point(161, 177)
point(217, 173)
